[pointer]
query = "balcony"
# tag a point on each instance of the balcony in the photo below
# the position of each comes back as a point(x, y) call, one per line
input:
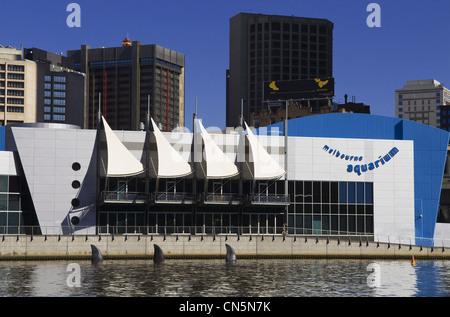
point(173, 198)
point(269, 199)
point(222, 199)
point(123, 197)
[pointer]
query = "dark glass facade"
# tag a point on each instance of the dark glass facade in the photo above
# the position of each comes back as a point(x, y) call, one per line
point(219, 207)
point(331, 208)
point(267, 48)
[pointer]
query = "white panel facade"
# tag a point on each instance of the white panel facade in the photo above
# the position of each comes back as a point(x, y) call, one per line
point(393, 181)
point(47, 156)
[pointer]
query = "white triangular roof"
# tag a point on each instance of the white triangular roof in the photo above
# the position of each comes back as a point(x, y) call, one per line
point(170, 162)
point(120, 162)
point(218, 165)
point(264, 166)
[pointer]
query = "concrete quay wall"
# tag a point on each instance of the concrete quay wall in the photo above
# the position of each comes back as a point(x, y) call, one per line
point(204, 247)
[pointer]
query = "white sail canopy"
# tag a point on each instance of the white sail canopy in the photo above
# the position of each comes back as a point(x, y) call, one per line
point(120, 162)
point(170, 162)
point(218, 165)
point(264, 166)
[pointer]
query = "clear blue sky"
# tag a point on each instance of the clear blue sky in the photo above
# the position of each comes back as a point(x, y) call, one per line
point(369, 63)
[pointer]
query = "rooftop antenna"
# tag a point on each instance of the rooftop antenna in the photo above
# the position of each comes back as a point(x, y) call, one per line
point(195, 116)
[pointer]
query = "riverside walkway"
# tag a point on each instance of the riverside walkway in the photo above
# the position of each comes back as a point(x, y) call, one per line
point(70, 247)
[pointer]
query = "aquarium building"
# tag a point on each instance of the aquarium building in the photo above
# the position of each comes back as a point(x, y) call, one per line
point(337, 174)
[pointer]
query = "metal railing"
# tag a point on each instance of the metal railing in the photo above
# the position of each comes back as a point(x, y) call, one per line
point(173, 197)
point(117, 196)
point(269, 199)
point(211, 198)
point(220, 230)
point(222, 198)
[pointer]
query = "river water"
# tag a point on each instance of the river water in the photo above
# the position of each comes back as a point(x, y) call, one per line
point(216, 278)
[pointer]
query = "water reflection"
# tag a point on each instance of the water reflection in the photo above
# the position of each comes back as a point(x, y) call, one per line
point(245, 278)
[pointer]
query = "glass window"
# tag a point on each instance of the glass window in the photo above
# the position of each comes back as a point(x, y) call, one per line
point(334, 192)
point(3, 222)
point(325, 192)
point(59, 110)
point(59, 94)
point(59, 117)
point(59, 86)
point(16, 68)
point(307, 192)
point(368, 193)
point(3, 202)
point(59, 102)
point(13, 222)
point(351, 193)
point(342, 193)
point(332, 207)
point(4, 183)
point(316, 192)
point(48, 78)
point(360, 193)
point(14, 184)
point(14, 202)
point(59, 79)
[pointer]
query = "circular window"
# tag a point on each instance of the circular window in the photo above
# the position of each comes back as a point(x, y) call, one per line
point(75, 202)
point(76, 184)
point(75, 220)
point(76, 166)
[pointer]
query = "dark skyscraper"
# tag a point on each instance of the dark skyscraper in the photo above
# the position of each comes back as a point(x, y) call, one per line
point(267, 48)
point(125, 77)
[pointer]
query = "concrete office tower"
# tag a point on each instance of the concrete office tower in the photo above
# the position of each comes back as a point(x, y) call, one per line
point(421, 100)
point(124, 77)
point(271, 48)
point(60, 89)
point(17, 87)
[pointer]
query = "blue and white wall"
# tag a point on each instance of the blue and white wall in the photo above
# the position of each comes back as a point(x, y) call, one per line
point(388, 164)
point(429, 146)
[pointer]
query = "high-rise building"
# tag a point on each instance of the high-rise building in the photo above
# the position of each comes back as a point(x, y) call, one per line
point(60, 92)
point(18, 78)
point(122, 80)
point(445, 117)
point(421, 101)
point(266, 48)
